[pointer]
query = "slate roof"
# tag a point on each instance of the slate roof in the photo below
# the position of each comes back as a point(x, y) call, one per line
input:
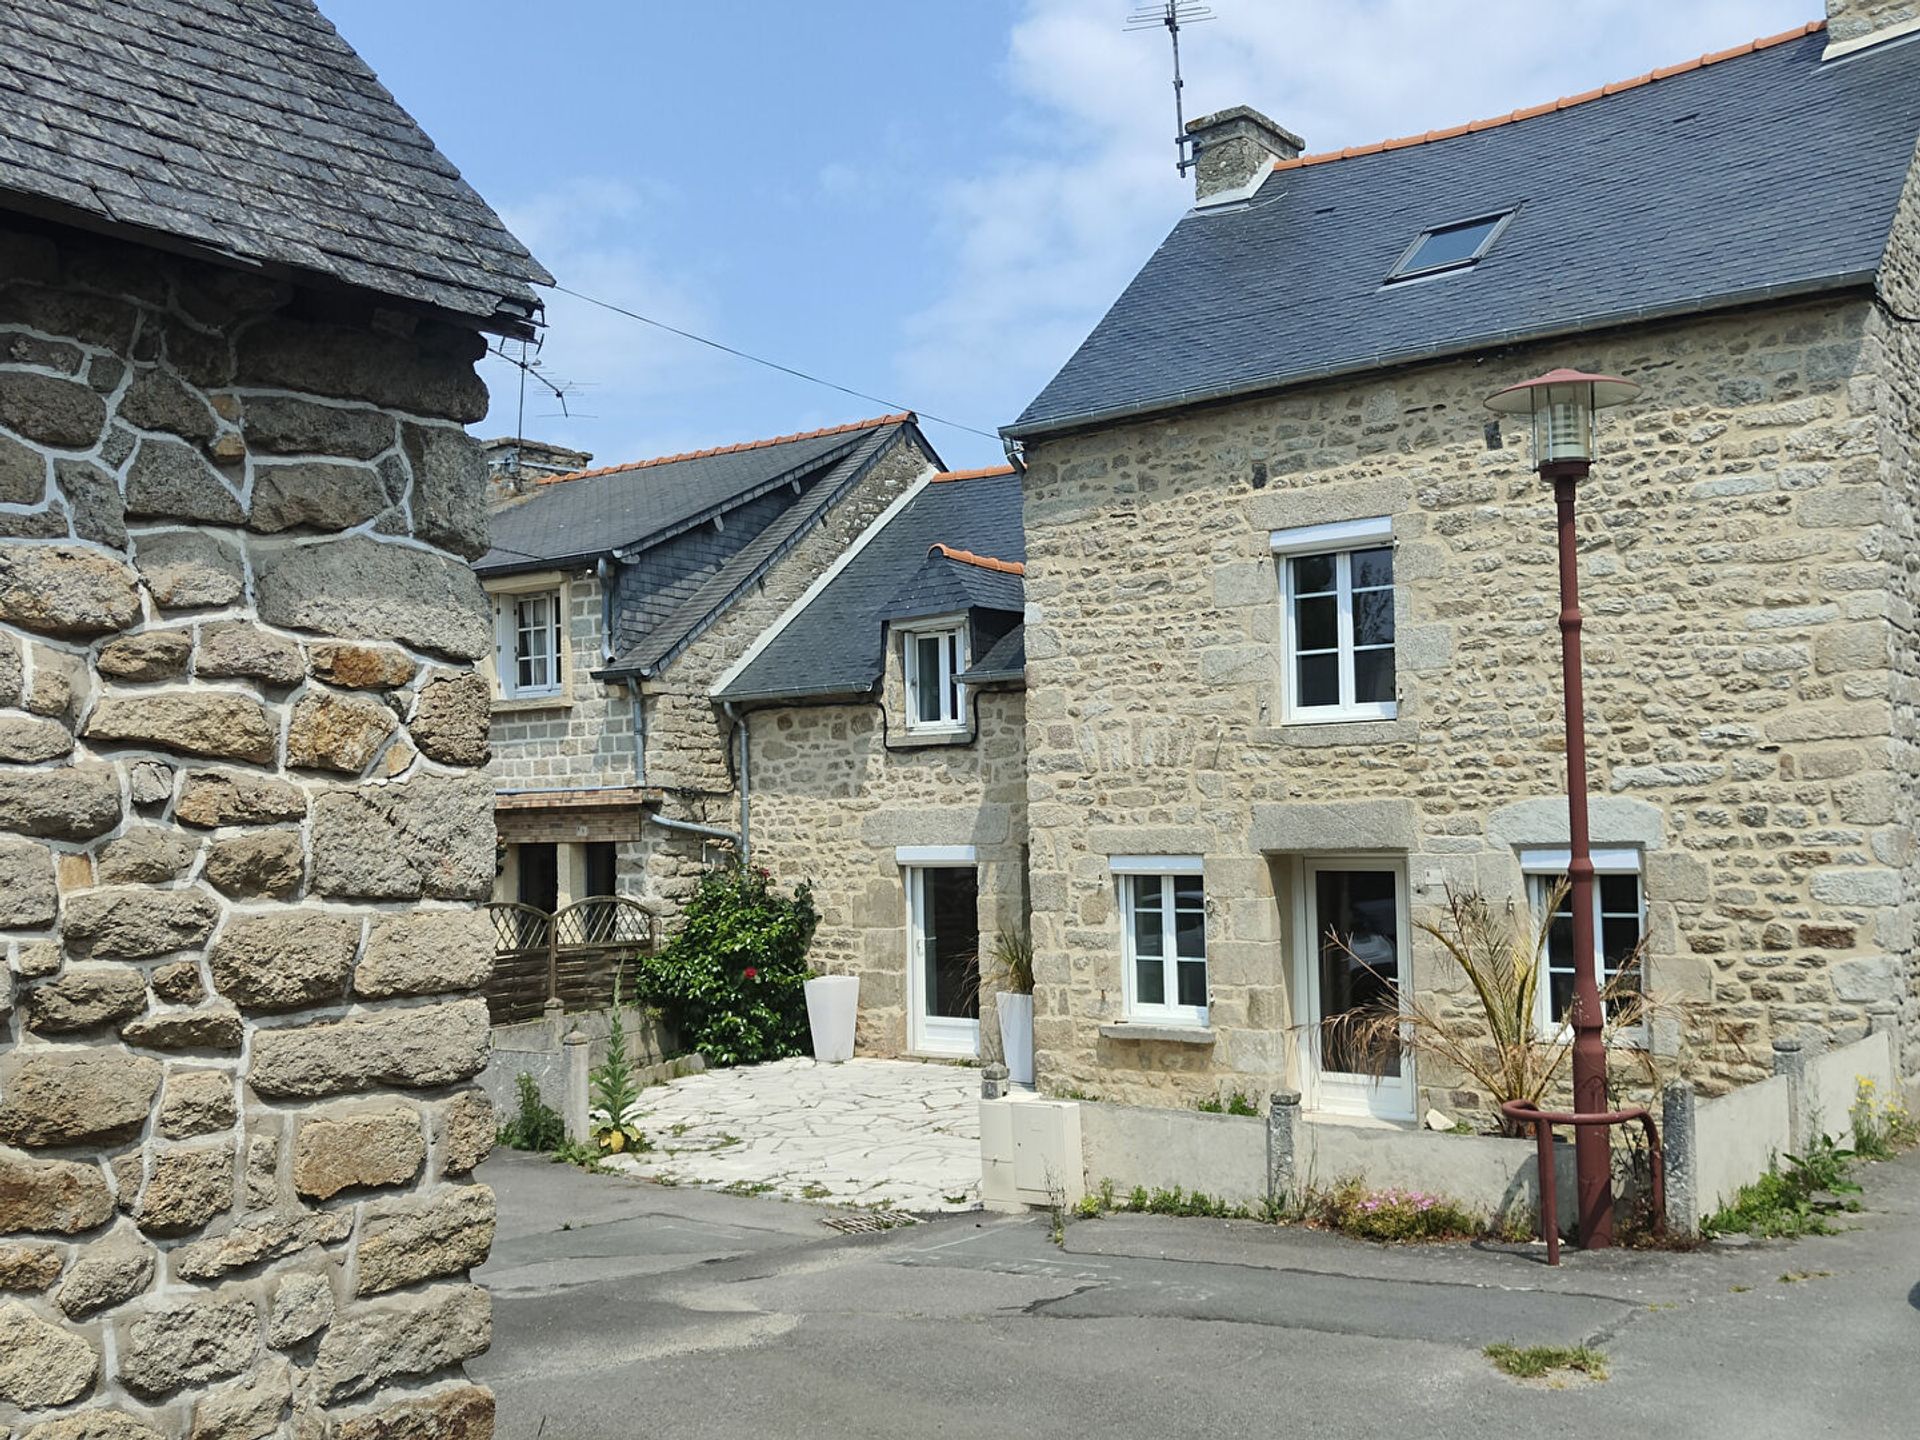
point(832, 645)
point(574, 519)
point(1762, 174)
point(251, 130)
point(947, 585)
point(702, 603)
point(1006, 660)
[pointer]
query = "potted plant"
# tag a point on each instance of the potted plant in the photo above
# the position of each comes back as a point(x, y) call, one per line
point(1013, 978)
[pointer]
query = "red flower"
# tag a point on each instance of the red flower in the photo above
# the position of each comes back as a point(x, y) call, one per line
point(749, 973)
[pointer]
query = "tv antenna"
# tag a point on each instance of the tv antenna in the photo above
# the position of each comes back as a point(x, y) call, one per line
point(1171, 15)
point(528, 363)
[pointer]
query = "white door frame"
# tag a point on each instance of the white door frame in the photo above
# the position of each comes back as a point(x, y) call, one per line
point(932, 1034)
point(1333, 1093)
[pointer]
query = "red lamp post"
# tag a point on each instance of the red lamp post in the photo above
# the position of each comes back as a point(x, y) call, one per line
point(1562, 405)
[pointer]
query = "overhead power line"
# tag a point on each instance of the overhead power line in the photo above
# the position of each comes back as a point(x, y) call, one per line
point(775, 364)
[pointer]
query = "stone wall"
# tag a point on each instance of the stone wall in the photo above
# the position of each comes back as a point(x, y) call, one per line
point(581, 739)
point(1735, 578)
point(831, 802)
point(1894, 343)
point(241, 834)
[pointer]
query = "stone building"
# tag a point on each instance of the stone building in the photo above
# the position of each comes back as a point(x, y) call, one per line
point(883, 723)
point(243, 824)
point(619, 596)
point(1292, 666)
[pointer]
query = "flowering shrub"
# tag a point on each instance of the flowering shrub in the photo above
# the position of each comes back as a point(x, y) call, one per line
point(729, 983)
point(1393, 1215)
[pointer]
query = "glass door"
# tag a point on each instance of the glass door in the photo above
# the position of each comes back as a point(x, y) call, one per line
point(943, 960)
point(1354, 956)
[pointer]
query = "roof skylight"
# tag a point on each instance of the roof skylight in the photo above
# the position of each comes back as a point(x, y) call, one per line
point(1450, 247)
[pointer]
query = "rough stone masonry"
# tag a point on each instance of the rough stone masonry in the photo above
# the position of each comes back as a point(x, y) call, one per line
point(241, 842)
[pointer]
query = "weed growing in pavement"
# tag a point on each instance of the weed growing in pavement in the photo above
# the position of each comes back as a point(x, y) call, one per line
point(1881, 1128)
point(1794, 1277)
point(1536, 1361)
point(534, 1125)
point(1800, 1200)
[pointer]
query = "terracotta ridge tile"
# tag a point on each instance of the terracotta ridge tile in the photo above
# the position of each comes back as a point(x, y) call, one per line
point(985, 562)
point(946, 476)
point(898, 417)
point(1567, 102)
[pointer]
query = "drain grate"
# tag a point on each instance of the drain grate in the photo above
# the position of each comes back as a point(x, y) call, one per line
point(866, 1222)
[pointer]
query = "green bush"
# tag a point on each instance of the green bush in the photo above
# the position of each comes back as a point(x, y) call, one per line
point(729, 983)
point(1800, 1200)
point(535, 1125)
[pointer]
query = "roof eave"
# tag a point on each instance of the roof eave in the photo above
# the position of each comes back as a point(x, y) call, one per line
point(1582, 324)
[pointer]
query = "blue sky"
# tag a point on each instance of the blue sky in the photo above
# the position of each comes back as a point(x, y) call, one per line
point(928, 200)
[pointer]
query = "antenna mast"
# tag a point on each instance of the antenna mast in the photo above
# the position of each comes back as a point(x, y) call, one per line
point(1172, 14)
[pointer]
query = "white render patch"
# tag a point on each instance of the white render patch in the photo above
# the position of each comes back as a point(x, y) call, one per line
point(898, 1134)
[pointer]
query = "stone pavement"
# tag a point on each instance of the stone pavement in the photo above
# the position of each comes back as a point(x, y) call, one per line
point(892, 1134)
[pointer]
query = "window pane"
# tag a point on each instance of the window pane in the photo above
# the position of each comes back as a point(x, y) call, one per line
point(1193, 982)
point(1316, 623)
point(1359, 943)
point(1190, 933)
point(1150, 982)
point(1147, 914)
point(951, 917)
point(1372, 567)
point(1312, 574)
point(1619, 937)
point(1373, 617)
point(1450, 246)
point(1319, 680)
point(1373, 677)
point(926, 678)
point(1619, 894)
point(1560, 997)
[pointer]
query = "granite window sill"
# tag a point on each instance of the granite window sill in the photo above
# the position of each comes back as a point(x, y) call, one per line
point(524, 704)
point(1162, 1034)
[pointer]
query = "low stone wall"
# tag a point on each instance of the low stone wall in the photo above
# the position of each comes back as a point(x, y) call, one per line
point(1223, 1155)
point(1714, 1147)
point(538, 1048)
point(1247, 1159)
point(1833, 1083)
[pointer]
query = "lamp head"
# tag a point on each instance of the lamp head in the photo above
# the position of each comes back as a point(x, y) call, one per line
point(1561, 404)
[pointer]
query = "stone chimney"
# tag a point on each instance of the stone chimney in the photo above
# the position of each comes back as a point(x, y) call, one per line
point(514, 463)
point(1855, 24)
point(1235, 147)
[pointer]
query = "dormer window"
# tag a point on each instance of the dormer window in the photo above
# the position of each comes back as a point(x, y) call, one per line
point(935, 657)
point(1450, 247)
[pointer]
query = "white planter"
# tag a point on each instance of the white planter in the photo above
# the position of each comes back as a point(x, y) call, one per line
point(833, 1001)
point(1016, 1034)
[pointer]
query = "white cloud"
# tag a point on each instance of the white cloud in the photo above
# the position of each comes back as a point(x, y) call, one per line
point(1046, 240)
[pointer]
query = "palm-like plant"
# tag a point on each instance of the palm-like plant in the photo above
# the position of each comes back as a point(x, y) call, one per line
point(1500, 1043)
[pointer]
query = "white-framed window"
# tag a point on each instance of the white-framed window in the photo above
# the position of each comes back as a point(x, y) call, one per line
point(530, 642)
point(1619, 926)
point(934, 658)
point(1336, 592)
point(1163, 904)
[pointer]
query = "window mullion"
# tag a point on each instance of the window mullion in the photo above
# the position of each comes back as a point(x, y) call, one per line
point(1343, 580)
point(1169, 945)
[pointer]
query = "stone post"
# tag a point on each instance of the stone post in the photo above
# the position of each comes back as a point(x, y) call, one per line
point(244, 832)
point(1679, 1149)
point(577, 1052)
point(1791, 1061)
point(1283, 1137)
point(553, 1015)
point(1883, 1018)
point(993, 1081)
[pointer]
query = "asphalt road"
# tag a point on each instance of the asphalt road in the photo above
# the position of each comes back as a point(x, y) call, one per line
point(624, 1309)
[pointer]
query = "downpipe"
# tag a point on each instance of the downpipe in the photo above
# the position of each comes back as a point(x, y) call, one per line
point(743, 732)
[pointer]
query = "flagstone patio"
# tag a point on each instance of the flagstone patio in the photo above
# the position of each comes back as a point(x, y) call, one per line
point(897, 1134)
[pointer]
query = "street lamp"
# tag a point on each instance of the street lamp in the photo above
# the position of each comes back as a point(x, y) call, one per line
point(1562, 405)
